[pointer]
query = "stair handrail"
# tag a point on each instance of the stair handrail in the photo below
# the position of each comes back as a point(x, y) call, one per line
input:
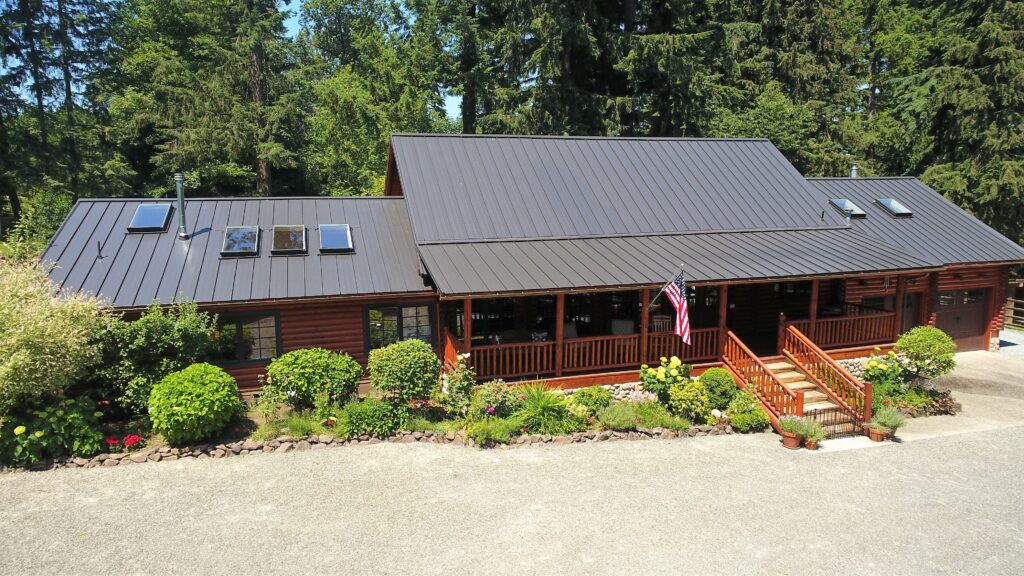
point(860, 389)
point(774, 412)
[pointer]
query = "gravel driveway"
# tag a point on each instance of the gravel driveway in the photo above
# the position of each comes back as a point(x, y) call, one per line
point(711, 505)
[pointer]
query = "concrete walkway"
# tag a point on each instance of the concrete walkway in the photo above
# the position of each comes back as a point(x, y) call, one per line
point(946, 504)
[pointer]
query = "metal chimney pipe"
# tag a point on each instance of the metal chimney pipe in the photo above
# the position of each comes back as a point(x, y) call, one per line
point(179, 184)
point(853, 170)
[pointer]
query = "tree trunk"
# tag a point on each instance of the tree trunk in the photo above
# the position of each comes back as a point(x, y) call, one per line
point(469, 60)
point(70, 137)
point(257, 90)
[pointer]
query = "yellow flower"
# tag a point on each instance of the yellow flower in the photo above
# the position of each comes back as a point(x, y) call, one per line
point(661, 376)
point(674, 372)
point(676, 361)
point(652, 371)
point(39, 434)
point(664, 360)
point(19, 430)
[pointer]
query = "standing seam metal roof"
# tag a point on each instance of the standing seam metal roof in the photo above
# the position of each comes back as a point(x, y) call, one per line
point(137, 269)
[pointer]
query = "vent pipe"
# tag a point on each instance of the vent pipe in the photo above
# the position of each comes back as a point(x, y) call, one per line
point(179, 184)
point(853, 170)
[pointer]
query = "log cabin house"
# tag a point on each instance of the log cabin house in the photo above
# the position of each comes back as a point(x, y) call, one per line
point(541, 255)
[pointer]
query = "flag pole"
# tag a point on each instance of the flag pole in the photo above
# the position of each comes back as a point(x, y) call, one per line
point(656, 296)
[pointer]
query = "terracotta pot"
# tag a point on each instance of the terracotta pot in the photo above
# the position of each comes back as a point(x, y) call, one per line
point(791, 441)
point(811, 444)
point(877, 435)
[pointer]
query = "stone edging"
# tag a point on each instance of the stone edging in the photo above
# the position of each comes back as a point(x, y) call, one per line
point(288, 444)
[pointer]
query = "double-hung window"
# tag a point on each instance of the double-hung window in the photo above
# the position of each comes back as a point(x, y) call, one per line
point(248, 337)
point(389, 324)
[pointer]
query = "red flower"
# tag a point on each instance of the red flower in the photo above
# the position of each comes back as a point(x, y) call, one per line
point(526, 428)
point(112, 441)
point(330, 423)
point(131, 440)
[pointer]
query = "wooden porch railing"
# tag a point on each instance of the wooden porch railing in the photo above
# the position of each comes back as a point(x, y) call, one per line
point(513, 360)
point(703, 347)
point(845, 331)
point(1014, 313)
point(751, 373)
point(600, 352)
point(844, 388)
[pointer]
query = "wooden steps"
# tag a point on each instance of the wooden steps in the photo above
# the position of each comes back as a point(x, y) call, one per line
point(790, 375)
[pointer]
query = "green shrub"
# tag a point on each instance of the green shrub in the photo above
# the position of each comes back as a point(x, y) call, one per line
point(620, 416)
point(746, 413)
point(888, 378)
point(404, 371)
point(812, 430)
point(421, 424)
point(46, 342)
point(495, 399)
point(592, 398)
point(544, 412)
point(494, 430)
point(193, 404)
point(928, 351)
point(372, 416)
point(138, 354)
point(720, 386)
point(658, 380)
point(792, 424)
point(887, 420)
point(67, 427)
point(690, 400)
point(651, 414)
point(300, 376)
point(455, 391)
point(294, 425)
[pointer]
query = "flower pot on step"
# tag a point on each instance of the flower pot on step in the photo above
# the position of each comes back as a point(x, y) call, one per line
point(877, 435)
point(791, 441)
point(811, 444)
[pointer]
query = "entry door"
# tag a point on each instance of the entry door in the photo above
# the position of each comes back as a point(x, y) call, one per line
point(963, 314)
point(911, 311)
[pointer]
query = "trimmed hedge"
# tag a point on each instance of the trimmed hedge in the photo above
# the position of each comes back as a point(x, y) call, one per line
point(404, 371)
point(372, 416)
point(720, 386)
point(301, 375)
point(193, 404)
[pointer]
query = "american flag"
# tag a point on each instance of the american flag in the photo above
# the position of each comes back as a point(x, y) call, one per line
point(676, 292)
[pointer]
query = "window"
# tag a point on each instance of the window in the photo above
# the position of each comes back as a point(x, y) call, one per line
point(335, 238)
point(389, 324)
point(289, 239)
point(241, 241)
point(150, 218)
point(241, 338)
point(847, 207)
point(894, 207)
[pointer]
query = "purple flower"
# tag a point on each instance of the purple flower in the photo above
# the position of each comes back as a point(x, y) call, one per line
point(490, 409)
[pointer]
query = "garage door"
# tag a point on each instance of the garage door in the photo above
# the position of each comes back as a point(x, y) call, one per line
point(963, 314)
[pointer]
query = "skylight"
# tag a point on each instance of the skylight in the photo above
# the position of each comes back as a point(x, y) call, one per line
point(895, 207)
point(150, 218)
point(335, 238)
point(241, 241)
point(289, 239)
point(847, 207)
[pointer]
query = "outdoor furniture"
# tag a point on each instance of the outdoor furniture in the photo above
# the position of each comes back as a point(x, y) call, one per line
point(661, 323)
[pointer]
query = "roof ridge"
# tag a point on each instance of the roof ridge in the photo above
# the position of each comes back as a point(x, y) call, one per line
point(632, 235)
point(237, 198)
point(861, 178)
point(576, 137)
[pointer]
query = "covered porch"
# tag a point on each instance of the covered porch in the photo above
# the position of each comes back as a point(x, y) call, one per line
point(563, 334)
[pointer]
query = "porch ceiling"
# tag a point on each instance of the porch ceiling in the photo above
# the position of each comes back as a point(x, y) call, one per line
point(572, 264)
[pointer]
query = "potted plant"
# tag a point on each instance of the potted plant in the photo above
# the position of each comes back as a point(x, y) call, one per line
point(885, 423)
point(876, 431)
point(791, 430)
point(813, 433)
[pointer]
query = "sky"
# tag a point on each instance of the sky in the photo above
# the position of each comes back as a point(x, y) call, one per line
point(293, 24)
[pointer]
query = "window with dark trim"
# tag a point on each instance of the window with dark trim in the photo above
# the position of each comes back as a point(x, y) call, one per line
point(248, 337)
point(389, 324)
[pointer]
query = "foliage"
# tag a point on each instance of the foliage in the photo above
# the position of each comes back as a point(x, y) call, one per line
point(592, 398)
point(494, 430)
point(792, 424)
point(888, 378)
point(812, 430)
point(45, 340)
point(404, 371)
point(300, 376)
point(545, 412)
point(720, 386)
point(495, 399)
point(887, 420)
point(372, 416)
point(193, 404)
point(624, 416)
point(746, 413)
point(70, 426)
point(138, 354)
point(456, 388)
point(658, 380)
point(293, 425)
point(928, 351)
point(417, 423)
point(619, 416)
point(690, 400)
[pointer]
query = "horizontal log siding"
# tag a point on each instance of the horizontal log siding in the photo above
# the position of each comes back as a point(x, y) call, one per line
point(967, 278)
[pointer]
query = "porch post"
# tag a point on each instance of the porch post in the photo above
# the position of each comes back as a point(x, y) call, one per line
point(813, 325)
point(645, 314)
point(901, 291)
point(723, 316)
point(559, 331)
point(932, 299)
point(781, 337)
point(467, 325)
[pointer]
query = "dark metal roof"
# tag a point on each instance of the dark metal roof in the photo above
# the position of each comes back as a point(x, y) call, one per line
point(537, 265)
point(939, 230)
point(464, 188)
point(138, 269)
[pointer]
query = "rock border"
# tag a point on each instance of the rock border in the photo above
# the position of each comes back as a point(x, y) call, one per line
point(283, 444)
